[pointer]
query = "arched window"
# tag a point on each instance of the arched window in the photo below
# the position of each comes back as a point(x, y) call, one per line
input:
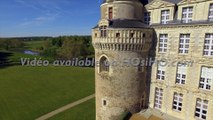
point(104, 64)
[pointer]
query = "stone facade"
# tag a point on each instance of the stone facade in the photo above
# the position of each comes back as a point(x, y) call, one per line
point(197, 29)
point(119, 36)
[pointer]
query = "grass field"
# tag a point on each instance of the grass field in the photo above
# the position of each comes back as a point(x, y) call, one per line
point(29, 92)
point(84, 111)
point(32, 45)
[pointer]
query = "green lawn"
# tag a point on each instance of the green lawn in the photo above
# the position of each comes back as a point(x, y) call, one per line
point(14, 57)
point(29, 92)
point(34, 44)
point(84, 111)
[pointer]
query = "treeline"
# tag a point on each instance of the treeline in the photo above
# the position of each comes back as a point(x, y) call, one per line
point(64, 47)
point(8, 43)
point(68, 47)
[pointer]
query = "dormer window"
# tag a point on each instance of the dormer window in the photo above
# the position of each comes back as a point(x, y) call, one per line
point(164, 16)
point(103, 31)
point(187, 14)
point(211, 12)
point(147, 18)
point(110, 13)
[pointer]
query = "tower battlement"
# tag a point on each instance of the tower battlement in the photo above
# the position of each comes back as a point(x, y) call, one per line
point(123, 39)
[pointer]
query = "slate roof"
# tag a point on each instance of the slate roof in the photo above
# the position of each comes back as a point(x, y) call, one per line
point(127, 24)
point(171, 1)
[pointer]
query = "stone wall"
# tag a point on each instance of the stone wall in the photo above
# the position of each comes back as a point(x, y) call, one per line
point(191, 89)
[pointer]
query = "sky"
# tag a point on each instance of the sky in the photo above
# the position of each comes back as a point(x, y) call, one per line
point(21, 18)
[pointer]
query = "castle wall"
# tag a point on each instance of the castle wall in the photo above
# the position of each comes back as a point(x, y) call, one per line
point(123, 86)
point(201, 9)
point(190, 90)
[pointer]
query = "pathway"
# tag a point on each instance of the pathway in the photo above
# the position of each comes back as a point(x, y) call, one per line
point(66, 107)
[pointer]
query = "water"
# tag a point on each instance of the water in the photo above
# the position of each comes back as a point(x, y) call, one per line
point(29, 52)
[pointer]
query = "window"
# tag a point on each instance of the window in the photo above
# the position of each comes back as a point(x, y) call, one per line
point(187, 14)
point(103, 31)
point(163, 43)
point(206, 78)
point(117, 35)
point(177, 101)
point(147, 18)
point(211, 12)
point(104, 102)
point(181, 74)
point(201, 109)
point(110, 13)
point(131, 35)
point(208, 45)
point(158, 98)
point(143, 101)
point(144, 35)
point(164, 16)
point(184, 43)
point(104, 64)
point(161, 71)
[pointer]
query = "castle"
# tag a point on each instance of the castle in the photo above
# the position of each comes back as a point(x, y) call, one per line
point(177, 35)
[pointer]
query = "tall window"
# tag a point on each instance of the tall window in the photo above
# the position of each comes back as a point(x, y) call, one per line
point(184, 43)
point(147, 18)
point(158, 98)
point(206, 78)
point(211, 12)
point(110, 13)
point(208, 45)
point(163, 43)
point(187, 14)
point(201, 109)
point(161, 71)
point(177, 101)
point(164, 16)
point(103, 31)
point(104, 64)
point(181, 74)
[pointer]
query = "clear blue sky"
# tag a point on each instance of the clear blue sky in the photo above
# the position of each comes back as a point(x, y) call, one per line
point(48, 17)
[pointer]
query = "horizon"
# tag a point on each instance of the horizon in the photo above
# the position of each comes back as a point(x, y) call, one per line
point(48, 18)
point(42, 36)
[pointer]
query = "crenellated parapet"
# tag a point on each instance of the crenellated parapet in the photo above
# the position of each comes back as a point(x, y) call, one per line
point(123, 39)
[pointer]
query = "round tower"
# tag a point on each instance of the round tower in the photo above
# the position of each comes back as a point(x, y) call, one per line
point(120, 39)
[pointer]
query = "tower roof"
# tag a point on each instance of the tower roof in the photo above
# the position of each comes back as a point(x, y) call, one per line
point(127, 24)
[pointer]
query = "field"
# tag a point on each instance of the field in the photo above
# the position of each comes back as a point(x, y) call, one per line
point(29, 92)
point(34, 44)
point(84, 111)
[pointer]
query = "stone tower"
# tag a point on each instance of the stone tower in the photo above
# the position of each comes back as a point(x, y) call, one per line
point(120, 39)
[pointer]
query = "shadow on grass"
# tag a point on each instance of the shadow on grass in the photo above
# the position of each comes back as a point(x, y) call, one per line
point(4, 59)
